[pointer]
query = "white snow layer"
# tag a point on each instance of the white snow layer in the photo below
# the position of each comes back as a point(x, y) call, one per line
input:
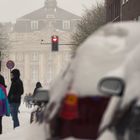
point(112, 50)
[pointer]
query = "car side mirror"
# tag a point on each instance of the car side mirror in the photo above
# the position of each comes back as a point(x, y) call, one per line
point(111, 86)
point(42, 95)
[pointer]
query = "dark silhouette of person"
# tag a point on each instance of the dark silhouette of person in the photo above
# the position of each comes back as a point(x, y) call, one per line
point(38, 85)
point(4, 105)
point(14, 96)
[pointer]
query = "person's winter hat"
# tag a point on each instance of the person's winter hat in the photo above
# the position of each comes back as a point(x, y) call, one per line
point(38, 85)
point(2, 81)
point(16, 73)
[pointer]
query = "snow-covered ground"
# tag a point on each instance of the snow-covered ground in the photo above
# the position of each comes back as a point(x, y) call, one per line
point(24, 117)
point(26, 131)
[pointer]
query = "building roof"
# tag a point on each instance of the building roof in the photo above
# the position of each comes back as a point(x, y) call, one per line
point(42, 12)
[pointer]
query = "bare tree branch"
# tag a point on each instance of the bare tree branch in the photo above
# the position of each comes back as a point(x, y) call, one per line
point(90, 22)
point(4, 40)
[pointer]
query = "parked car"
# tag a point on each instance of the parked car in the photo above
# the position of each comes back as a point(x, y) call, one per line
point(77, 107)
point(39, 101)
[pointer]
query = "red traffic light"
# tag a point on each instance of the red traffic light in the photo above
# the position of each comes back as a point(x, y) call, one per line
point(54, 41)
point(54, 38)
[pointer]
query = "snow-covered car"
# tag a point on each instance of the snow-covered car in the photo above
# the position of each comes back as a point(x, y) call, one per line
point(112, 51)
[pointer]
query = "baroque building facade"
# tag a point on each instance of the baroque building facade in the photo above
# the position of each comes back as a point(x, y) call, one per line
point(34, 59)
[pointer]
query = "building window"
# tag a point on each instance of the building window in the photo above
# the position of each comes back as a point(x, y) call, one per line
point(50, 16)
point(50, 24)
point(34, 74)
point(34, 56)
point(66, 24)
point(19, 57)
point(34, 25)
point(20, 66)
point(124, 1)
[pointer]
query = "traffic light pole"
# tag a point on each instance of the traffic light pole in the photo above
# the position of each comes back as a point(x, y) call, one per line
point(53, 55)
point(58, 44)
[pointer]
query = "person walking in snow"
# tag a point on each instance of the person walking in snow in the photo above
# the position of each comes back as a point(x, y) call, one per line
point(14, 96)
point(4, 105)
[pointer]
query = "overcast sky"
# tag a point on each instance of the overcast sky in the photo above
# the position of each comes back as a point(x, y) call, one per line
point(12, 9)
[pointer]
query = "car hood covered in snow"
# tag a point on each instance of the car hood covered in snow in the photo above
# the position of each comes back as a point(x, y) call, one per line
point(103, 52)
point(113, 50)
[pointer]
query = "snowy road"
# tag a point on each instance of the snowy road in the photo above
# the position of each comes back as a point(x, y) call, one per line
point(26, 131)
point(24, 117)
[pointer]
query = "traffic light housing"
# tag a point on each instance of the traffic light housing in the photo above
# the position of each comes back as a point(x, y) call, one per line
point(55, 42)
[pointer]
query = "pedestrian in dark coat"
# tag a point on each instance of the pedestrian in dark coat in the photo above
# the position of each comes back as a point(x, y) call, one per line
point(38, 85)
point(4, 105)
point(14, 96)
